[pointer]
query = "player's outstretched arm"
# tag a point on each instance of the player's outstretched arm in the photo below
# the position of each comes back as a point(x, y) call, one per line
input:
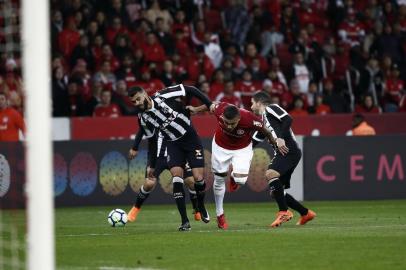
point(132, 153)
point(194, 92)
point(196, 110)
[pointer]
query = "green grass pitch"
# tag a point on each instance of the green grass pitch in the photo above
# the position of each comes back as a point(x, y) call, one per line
point(345, 235)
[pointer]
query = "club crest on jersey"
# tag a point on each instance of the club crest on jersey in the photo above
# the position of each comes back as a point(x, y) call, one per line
point(240, 131)
point(257, 123)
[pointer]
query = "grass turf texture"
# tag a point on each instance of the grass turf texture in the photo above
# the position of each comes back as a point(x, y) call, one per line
point(345, 235)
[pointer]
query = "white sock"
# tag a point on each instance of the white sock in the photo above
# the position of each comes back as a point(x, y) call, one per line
point(219, 188)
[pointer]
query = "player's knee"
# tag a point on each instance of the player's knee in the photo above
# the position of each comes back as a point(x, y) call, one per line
point(271, 174)
point(177, 171)
point(198, 173)
point(149, 185)
point(190, 182)
point(240, 178)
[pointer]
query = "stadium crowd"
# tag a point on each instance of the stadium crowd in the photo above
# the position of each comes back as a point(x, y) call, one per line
point(313, 57)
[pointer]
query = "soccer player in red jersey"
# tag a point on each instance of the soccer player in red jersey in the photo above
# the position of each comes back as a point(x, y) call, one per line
point(232, 145)
point(11, 121)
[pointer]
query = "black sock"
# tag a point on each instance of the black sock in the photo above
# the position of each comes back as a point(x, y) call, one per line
point(193, 199)
point(277, 191)
point(200, 186)
point(141, 197)
point(179, 196)
point(295, 205)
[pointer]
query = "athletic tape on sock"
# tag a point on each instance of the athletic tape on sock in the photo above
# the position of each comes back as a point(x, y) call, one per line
point(177, 179)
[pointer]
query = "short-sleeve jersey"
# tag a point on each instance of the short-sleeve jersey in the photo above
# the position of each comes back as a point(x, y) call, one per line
point(241, 136)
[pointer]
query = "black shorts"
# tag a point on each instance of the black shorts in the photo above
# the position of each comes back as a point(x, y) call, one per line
point(285, 165)
point(187, 149)
point(161, 165)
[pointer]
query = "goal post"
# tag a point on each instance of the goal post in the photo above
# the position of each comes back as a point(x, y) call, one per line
point(36, 74)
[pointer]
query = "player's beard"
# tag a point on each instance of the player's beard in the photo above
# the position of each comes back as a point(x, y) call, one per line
point(144, 106)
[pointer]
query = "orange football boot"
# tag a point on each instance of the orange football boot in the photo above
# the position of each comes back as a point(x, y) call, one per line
point(282, 217)
point(306, 218)
point(132, 215)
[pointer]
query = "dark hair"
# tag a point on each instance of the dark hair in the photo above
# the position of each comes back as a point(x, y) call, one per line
point(134, 90)
point(3, 94)
point(357, 119)
point(231, 112)
point(262, 97)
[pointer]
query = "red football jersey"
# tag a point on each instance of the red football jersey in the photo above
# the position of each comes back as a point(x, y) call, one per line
point(241, 135)
point(11, 122)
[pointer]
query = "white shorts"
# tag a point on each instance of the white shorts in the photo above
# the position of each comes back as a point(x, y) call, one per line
point(221, 159)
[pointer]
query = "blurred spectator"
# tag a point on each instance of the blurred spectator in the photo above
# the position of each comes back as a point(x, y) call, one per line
point(251, 53)
point(388, 44)
point(94, 100)
point(229, 95)
point(180, 24)
point(82, 51)
point(127, 71)
point(181, 45)
point(105, 108)
point(367, 106)
point(289, 23)
point(275, 66)
point(255, 68)
point(105, 76)
point(155, 12)
point(247, 88)
point(319, 107)
point(334, 98)
point(122, 46)
point(351, 30)
point(199, 63)
point(165, 38)
point(68, 38)
point(233, 53)
point(11, 121)
point(371, 80)
point(168, 76)
point(360, 127)
point(56, 28)
point(107, 56)
point(59, 93)
point(212, 49)
point(300, 72)
point(394, 89)
point(153, 51)
point(76, 104)
point(228, 69)
point(298, 108)
point(121, 98)
point(237, 22)
point(198, 32)
point(151, 85)
point(217, 85)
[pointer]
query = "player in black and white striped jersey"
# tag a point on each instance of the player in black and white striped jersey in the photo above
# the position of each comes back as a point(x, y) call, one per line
point(165, 113)
point(156, 164)
point(279, 172)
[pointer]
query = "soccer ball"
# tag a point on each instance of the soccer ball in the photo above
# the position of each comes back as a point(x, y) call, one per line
point(117, 218)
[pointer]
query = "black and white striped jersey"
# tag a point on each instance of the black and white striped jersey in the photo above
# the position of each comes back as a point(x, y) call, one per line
point(278, 122)
point(168, 114)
